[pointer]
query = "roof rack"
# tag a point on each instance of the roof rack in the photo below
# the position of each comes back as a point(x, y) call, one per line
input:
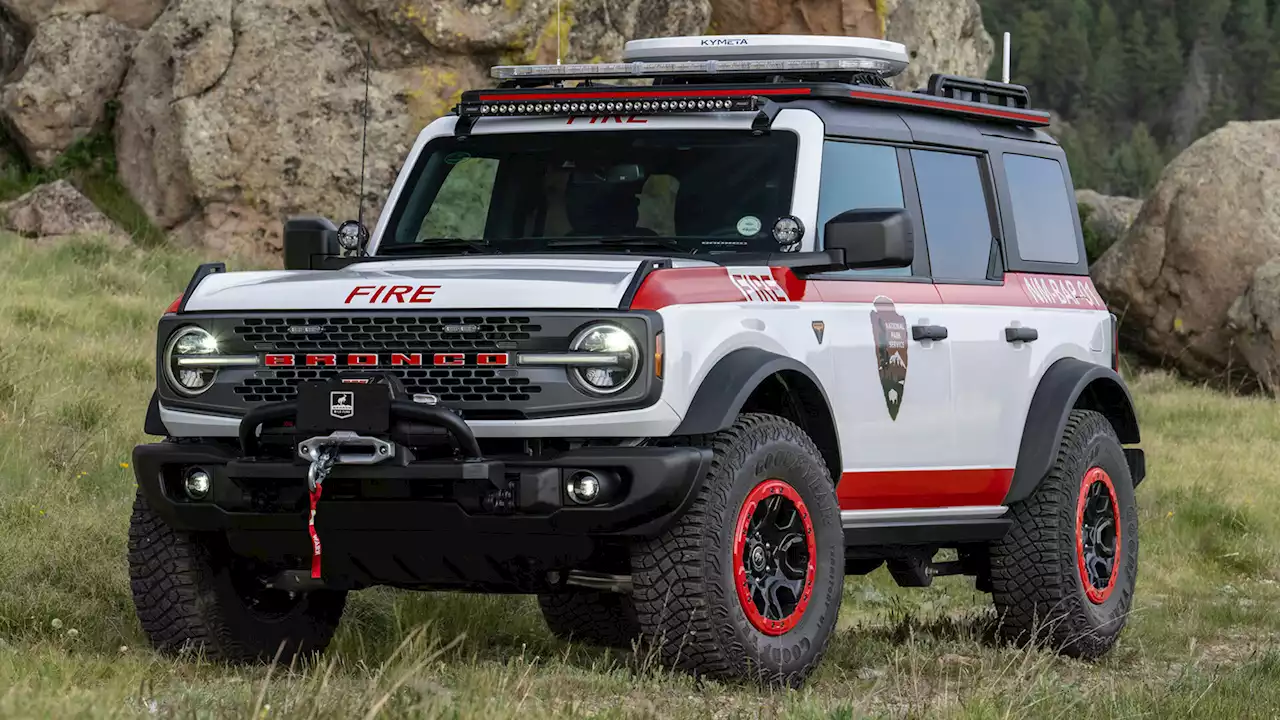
point(740, 74)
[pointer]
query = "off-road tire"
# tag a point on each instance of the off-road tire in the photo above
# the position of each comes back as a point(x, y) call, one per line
point(186, 602)
point(684, 581)
point(592, 617)
point(1038, 585)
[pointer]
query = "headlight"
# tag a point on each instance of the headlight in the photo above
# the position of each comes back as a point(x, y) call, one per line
point(620, 359)
point(188, 342)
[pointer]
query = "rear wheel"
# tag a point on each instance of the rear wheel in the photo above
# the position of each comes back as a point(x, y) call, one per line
point(191, 593)
point(590, 616)
point(747, 584)
point(1065, 572)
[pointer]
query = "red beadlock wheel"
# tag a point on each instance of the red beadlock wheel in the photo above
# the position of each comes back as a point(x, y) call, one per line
point(774, 553)
point(1097, 535)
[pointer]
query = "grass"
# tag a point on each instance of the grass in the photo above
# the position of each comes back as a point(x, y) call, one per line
point(76, 341)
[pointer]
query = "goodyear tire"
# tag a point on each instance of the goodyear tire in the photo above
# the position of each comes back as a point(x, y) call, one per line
point(747, 584)
point(596, 618)
point(192, 595)
point(1065, 573)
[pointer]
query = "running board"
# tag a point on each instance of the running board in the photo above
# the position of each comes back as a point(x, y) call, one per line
point(940, 527)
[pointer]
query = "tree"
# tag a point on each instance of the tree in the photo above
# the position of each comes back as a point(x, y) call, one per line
point(1166, 70)
point(1248, 26)
point(1138, 63)
point(1137, 164)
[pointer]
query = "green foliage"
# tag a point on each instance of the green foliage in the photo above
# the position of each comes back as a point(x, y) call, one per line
point(1110, 67)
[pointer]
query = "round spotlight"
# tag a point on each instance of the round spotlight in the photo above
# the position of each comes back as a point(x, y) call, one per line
point(197, 484)
point(583, 487)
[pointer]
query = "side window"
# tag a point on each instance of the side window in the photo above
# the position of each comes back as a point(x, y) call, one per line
point(1041, 210)
point(461, 207)
point(957, 216)
point(856, 176)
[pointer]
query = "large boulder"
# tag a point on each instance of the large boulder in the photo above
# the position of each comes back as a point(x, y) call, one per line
point(942, 36)
point(73, 66)
point(796, 17)
point(1106, 217)
point(1255, 319)
point(55, 211)
point(239, 113)
point(1211, 221)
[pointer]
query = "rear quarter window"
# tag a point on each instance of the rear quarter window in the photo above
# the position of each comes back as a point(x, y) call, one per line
point(1041, 210)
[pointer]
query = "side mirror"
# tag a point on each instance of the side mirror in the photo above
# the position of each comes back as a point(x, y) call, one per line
point(879, 238)
point(309, 242)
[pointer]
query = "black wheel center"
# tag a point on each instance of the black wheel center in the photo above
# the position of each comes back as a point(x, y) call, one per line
point(777, 558)
point(1098, 536)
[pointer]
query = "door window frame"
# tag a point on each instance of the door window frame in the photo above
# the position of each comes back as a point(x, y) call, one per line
point(998, 148)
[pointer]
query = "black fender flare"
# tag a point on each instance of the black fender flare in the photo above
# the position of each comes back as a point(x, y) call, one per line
point(153, 425)
point(1069, 384)
point(730, 383)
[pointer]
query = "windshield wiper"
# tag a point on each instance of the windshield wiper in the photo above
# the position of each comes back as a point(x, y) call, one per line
point(640, 241)
point(428, 244)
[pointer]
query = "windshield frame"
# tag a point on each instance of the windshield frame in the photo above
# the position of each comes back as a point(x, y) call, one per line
point(804, 123)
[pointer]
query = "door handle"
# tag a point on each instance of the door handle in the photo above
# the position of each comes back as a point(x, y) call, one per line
point(1020, 334)
point(928, 332)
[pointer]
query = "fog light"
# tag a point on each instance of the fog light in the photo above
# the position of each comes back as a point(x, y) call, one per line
point(583, 487)
point(198, 483)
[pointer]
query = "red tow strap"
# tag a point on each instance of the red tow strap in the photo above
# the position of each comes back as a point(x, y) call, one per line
point(315, 536)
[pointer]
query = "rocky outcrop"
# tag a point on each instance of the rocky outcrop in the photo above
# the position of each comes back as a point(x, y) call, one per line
point(942, 36)
point(1106, 217)
point(796, 17)
point(73, 66)
point(1255, 319)
point(13, 44)
point(58, 210)
point(134, 13)
point(1211, 221)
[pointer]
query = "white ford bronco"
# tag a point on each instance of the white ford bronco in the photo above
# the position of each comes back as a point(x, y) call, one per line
point(675, 354)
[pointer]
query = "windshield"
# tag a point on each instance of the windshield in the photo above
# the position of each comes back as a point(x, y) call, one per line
point(677, 191)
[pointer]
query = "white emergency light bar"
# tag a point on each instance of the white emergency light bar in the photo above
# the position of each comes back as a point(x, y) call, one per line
point(731, 55)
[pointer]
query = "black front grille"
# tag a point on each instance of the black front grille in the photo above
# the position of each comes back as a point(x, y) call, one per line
point(454, 385)
point(383, 334)
point(375, 333)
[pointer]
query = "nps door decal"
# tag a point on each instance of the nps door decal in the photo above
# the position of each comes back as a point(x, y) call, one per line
point(819, 329)
point(890, 332)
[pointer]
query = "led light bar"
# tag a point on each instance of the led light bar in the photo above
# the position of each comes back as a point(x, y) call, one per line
point(616, 101)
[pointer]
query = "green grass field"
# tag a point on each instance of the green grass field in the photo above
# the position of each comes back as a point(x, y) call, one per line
point(76, 348)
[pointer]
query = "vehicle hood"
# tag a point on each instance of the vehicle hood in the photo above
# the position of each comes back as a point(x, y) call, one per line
point(427, 284)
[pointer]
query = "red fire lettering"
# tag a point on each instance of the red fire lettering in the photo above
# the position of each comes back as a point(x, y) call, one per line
point(279, 361)
point(322, 360)
point(376, 293)
point(397, 292)
point(402, 359)
point(493, 359)
point(423, 294)
point(357, 292)
point(362, 360)
point(450, 359)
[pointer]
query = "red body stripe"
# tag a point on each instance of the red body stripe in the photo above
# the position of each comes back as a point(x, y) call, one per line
point(883, 489)
point(629, 94)
point(693, 286)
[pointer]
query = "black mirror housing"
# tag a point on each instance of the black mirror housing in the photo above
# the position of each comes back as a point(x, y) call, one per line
point(309, 242)
point(874, 238)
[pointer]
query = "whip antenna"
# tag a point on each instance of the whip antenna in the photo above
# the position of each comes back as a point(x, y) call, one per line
point(364, 133)
point(558, 37)
point(1004, 75)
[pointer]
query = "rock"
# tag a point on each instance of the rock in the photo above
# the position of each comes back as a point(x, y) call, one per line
point(1107, 218)
point(796, 17)
point(73, 66)
point(134, 13)
point(58, 210)
point(238, 113)
point(942, 36)
point(13, 44)
point(1212, 220)
point(1255, 319)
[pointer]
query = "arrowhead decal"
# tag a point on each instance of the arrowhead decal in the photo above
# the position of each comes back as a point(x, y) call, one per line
point(889, 329)
point(819, 329)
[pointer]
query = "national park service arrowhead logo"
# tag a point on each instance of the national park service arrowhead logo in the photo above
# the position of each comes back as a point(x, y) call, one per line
point(819, 330)
point(889, 330)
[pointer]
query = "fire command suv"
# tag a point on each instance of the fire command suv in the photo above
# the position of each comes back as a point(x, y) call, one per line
point(675, 355)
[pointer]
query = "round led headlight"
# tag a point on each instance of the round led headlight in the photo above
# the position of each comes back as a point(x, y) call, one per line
point(188, 344)
point(619, 356)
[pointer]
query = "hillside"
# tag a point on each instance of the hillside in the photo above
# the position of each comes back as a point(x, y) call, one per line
point(75, 374)
point(1137, 81)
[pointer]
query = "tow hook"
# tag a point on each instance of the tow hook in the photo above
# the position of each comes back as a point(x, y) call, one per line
point(342, 447)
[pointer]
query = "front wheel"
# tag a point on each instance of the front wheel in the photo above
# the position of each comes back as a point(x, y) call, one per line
point(191, 593)
point(1065, 572)
point(747, 584)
